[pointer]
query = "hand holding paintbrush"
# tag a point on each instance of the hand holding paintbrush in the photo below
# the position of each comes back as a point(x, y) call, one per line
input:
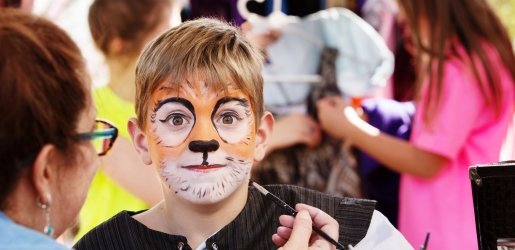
point(296, 233)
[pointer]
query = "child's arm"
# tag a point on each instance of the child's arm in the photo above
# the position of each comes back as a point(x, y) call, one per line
point(294, 129)
point(342, 121)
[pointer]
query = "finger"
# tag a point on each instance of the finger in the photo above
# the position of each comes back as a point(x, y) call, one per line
point(286, 220)
point(316, 137)
point(301, 232)
point(284, 232)
point(321, 220)
point(278, 240)
point(313, 137)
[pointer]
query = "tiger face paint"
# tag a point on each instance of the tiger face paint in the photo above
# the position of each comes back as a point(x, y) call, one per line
point(202, 140)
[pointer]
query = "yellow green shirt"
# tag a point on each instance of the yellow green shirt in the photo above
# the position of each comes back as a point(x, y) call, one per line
point(105, 197)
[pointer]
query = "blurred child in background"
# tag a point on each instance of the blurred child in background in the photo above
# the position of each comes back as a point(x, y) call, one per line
point(465, 100)
point(120, 29)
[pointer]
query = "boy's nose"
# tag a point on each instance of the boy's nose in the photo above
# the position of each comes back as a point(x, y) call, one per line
point(203, 146)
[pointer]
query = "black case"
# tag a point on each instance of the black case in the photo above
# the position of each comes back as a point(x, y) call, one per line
point(493, 190)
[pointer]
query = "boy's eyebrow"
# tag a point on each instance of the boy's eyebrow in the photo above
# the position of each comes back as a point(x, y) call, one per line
point(166, 88)
point(242, 101)
point(180, 100)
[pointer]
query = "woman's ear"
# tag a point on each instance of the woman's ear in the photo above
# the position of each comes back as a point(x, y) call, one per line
point(139, 140)
point(263, 134)
point(44, 170)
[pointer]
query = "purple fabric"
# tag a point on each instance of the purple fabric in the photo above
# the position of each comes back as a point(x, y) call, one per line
point(224, 9)
point(380, 183)
point(359, 6)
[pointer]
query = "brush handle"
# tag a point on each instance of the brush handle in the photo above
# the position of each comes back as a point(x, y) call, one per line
point(328, 238)
point(291, 211)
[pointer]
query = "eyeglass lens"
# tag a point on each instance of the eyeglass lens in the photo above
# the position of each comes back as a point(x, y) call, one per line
point(102, 143)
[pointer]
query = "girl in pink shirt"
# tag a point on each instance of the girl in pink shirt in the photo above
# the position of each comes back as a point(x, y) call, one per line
point(465, 100)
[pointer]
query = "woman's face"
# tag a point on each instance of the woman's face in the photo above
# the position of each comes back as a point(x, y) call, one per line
point(202, 141)
point(71, 189)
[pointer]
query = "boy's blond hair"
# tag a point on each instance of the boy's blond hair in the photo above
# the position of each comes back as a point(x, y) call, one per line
point(205, 47)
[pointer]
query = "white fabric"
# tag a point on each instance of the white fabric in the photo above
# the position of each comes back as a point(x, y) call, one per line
point(202, 246)
point(382, 235)
point(364, 61)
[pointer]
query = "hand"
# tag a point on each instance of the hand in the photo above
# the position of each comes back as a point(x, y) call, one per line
point(294, 129)
point(296, 233)
point(260, 41)
point(336, 118)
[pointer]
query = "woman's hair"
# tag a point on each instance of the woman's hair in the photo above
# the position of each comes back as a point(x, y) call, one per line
point(205, 47)
point(130, 20)
point(43, 91)
point(475, 26)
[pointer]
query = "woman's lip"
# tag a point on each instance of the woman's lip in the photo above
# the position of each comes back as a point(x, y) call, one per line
point(203, 167)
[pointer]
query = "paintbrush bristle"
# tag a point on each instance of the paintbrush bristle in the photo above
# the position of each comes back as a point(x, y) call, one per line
point(259, 188)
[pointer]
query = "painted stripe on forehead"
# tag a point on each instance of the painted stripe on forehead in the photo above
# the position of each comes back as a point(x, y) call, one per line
point(180, 100)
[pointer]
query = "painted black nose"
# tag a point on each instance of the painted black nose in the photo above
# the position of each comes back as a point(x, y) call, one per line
point(204, 146)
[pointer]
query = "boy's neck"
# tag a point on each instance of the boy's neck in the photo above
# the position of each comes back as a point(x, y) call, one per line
point(196, 222)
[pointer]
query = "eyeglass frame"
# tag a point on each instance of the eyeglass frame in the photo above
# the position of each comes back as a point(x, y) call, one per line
point(111, 132)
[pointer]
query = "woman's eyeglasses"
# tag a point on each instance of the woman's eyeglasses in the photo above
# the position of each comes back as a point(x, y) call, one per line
point(103, 136)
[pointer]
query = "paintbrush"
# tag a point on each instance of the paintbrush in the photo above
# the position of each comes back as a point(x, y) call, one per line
point(291, 211)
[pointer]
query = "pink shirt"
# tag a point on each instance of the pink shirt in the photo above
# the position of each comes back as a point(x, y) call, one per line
point(466, 132)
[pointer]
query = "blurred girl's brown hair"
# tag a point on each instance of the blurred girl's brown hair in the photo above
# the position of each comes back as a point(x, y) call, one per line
point(129, 20)
point(474, 24)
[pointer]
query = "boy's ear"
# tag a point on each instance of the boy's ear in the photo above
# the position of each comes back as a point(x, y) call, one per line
point(263, 134)
point(139, 140)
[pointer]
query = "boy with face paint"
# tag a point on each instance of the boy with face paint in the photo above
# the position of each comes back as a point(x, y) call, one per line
point(201, 124)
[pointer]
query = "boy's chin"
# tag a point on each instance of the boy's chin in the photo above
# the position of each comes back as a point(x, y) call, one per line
point(206, 194)
point(206, 200)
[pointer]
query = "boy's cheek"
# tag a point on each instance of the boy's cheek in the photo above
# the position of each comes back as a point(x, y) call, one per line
point(160, 154)
point(242, 150)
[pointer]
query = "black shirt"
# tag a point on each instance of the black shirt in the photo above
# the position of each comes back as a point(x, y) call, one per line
point(251, 229)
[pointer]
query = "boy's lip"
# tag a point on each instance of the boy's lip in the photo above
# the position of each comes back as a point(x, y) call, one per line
point(204, 168)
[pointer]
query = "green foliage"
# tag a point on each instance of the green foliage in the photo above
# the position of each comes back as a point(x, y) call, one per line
point(506, 11)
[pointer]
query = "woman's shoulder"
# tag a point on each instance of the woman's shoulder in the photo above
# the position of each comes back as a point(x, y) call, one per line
point(14, 236)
